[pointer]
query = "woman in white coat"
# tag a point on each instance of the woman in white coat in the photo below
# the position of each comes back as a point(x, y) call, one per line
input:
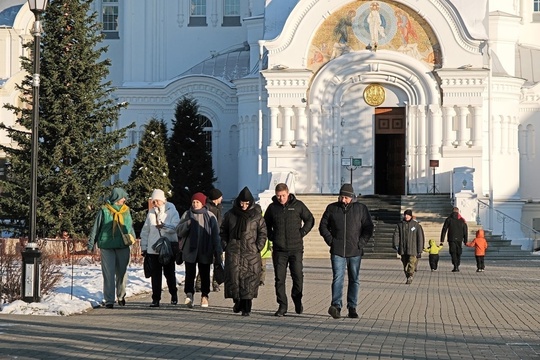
point(161, 221)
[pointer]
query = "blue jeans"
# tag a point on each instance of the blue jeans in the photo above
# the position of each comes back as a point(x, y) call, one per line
point(338, 269)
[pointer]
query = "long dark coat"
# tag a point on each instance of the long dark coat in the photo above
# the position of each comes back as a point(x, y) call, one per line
point(243, 262)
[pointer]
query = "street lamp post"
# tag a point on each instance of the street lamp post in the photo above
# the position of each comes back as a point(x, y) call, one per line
point(31, 271)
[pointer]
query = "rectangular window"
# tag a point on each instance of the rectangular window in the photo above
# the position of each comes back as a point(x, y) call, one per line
point(536, 11)
point(197, 13)
point(231, 13)
point(109, 18)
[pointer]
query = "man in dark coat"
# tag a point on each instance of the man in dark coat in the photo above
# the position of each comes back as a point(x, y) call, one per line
point(457, 236)
point(346, 227)
point(213, 203)
point(288, 220)
point(408, 241)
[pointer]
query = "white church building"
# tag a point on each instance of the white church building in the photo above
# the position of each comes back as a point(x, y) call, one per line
point(403, 97)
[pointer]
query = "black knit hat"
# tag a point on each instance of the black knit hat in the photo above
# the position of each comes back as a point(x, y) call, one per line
point(214, 194)
point(346, 190)
point(407, 212)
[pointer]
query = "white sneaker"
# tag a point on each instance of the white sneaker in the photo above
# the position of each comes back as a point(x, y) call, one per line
point(189, 300)
point(204, 302)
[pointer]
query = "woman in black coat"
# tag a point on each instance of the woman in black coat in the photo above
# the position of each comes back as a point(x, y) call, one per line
point(243, 235)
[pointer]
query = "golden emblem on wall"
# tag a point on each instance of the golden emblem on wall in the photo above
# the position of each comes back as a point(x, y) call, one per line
point(374, 94)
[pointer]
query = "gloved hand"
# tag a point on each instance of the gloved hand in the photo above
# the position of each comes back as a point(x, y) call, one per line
point(143, 253)
point(419, 256)
point(175, 247)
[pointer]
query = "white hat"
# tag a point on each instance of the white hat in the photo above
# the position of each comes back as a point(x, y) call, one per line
point(158, 194)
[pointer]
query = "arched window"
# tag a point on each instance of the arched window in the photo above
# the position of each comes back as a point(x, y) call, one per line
point(207, 128)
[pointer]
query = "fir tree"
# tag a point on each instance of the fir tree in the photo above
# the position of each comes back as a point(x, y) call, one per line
point(78, 135)
point(150, 171)
point(190, 162)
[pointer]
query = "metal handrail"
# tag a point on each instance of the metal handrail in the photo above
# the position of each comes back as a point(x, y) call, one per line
point(504, 216)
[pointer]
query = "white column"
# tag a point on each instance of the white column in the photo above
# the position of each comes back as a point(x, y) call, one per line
point(505, 134)
point(435, 141)
point(412, 141)
point(422, 150)
point(435, 131)
point(286, 129)
point(448, 121)
point(275, 135)
point(476, 126)
point(497, 139)
point(301, 131)
point(326, 149)
point(514, 126)
point(463, 111)
point(314, 146)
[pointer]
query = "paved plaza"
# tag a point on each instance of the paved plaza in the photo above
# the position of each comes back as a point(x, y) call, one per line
point(442, 315)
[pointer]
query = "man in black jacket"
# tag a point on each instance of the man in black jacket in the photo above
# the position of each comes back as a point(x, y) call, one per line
point(408, 241)
point(288, 220)
point(346, 227)
point(457, 230)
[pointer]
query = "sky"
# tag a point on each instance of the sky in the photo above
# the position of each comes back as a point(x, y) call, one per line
point(83, 293)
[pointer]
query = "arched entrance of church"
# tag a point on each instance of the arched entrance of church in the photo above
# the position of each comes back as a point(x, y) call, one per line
point(390, 155)
point(391, 138)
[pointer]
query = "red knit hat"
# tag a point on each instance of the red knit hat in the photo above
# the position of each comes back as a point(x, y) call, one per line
point(199, 196)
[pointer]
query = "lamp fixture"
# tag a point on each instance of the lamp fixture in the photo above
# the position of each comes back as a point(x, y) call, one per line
point(293, 143)
point(455, 143)
point(37, 6)
point(342, 121)
point(279, 143)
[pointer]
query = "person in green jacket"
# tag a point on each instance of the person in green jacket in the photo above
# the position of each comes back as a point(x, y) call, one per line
point(433, 250)
point(266, 253)
point(112, 221)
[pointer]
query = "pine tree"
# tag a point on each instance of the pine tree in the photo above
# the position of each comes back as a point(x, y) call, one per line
point(190, 162)
point(150, 170)
point(78, 134)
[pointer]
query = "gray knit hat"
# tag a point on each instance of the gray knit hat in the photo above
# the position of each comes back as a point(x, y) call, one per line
point(346, 190)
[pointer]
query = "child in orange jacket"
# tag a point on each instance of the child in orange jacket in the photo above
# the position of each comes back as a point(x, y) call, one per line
point(480, 245)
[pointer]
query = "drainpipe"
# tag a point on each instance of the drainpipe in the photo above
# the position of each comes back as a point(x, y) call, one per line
point(262, 179)
point(490, 138)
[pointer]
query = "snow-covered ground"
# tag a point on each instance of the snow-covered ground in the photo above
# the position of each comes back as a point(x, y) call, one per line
point(80, 289)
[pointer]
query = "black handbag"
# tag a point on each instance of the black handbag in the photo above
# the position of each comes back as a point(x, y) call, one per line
point(147, 267)
point(219, 273)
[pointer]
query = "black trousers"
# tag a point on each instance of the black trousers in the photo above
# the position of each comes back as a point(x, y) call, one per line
point(281, 260)
point(158, 270)
point(455, 249)
point(480, 262)
point(433, 261)
point(191, 272)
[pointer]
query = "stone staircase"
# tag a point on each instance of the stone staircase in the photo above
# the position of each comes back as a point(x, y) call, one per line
point(386, 211)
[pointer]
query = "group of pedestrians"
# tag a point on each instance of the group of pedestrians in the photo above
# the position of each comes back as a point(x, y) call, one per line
point(203, 236)
point(408, 241)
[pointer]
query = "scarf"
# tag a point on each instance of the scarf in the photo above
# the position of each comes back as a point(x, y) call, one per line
point(118, 218)
point(242, 220)
point(194, 238)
